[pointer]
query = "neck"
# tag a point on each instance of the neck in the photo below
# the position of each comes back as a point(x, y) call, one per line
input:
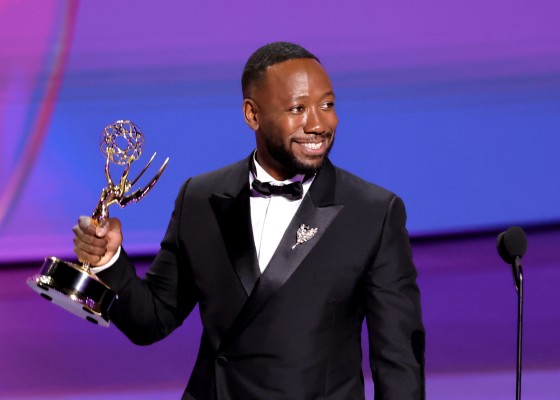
point(281, 176)
point(274, 174)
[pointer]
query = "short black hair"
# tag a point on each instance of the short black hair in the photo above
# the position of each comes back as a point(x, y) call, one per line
point(267, 55)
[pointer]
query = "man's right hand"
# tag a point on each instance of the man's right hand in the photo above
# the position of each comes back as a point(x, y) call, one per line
point(94, 244)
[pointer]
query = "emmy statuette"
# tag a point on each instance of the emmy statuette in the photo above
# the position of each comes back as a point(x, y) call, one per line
point(73, 286)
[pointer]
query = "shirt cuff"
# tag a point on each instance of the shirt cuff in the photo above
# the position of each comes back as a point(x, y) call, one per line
point(113, 260)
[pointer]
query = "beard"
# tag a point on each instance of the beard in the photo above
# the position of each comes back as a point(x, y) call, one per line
point(289, 160)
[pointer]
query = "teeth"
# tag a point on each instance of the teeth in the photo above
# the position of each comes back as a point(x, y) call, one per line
point(313, 146)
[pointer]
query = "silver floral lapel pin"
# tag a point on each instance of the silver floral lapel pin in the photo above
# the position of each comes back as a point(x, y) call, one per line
point(304, 233)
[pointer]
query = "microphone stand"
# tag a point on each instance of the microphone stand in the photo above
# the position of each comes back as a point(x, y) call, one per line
point(518, 278)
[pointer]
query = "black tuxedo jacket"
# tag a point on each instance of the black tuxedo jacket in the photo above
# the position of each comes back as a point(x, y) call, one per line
point(294, 331)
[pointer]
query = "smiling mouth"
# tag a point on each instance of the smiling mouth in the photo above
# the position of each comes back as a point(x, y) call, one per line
point(313, 145)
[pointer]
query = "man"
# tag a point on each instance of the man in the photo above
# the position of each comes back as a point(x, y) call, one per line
point(283, 280)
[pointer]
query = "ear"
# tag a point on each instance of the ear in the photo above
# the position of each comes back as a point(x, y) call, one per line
point(250, 112)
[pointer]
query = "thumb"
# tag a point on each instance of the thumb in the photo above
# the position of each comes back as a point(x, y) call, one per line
point(102, 228)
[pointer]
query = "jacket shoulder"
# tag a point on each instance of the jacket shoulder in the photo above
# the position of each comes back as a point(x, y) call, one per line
point(223, 180)
point(353, 187)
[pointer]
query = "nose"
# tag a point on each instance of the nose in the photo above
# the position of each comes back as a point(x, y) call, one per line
point(314, 122)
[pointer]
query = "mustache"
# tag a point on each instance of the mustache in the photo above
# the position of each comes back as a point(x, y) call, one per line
point(312, 137)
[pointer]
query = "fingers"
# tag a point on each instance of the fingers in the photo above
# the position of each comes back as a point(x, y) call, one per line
point(88, 246)
point(96, 243)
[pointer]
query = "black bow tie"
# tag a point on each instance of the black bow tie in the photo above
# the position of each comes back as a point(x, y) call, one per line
point(291, 191)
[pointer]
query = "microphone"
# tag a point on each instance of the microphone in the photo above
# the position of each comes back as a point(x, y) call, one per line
point(512, 245)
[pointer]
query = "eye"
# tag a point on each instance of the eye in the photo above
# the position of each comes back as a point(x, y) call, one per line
point(328, 105)
point(297, 109)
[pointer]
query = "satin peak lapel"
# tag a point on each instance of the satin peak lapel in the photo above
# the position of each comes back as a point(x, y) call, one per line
point(288, 258)
point(234, 218)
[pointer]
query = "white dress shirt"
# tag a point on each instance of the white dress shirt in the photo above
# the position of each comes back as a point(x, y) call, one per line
point(271, 215)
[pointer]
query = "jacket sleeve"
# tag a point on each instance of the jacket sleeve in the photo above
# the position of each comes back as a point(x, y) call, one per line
point(148, 309)
point(394, 320)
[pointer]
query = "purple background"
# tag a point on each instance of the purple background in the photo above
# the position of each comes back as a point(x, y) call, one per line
point(469, 310)
point(453, 105)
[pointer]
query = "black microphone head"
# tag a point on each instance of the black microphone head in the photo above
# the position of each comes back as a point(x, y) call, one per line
point(512, 244)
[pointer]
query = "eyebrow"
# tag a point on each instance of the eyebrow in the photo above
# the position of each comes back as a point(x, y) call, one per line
point(327, 94)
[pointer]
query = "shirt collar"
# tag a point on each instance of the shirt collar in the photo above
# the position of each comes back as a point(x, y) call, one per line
point(258, 172)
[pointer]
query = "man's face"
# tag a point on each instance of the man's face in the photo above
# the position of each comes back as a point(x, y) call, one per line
point(294, 118)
